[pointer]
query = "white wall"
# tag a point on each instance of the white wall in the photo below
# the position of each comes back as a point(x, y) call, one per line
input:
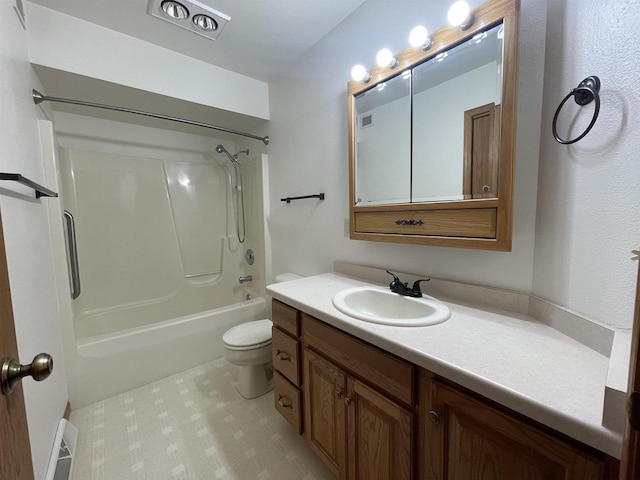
point(309, 153)
point(27, 238)
point(588, 199)
point(67, 43)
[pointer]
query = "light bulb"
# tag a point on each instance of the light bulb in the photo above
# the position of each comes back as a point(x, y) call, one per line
point(385, 58)
point(460, 15)
point(174, 9)
point(359, 74)
point(205, 22)
point(418, 36)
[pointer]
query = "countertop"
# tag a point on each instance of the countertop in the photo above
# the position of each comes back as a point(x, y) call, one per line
point(510, 358)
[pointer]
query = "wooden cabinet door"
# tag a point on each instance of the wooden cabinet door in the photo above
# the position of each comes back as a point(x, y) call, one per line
point(380, 435)
point(325, 420)
point(471, 440)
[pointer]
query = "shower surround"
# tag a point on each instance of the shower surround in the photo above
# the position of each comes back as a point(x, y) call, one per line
point(159, 260)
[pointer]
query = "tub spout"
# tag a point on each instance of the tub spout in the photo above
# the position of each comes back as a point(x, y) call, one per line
point(245, 278)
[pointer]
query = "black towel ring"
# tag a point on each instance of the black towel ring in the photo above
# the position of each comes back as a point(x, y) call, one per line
point(584, 93)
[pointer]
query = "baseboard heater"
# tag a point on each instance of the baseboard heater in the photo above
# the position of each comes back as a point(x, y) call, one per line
point(62, 455)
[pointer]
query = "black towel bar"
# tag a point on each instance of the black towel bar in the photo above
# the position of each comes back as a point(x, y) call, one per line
point(40, 190)
point(288, 199)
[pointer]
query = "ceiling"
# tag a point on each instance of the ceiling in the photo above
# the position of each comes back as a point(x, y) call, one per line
point(263, 38)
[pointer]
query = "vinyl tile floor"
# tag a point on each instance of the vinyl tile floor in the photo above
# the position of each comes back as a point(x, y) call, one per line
point(192, 425)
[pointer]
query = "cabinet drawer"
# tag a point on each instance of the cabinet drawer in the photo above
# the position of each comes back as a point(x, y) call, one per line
point(376, 367)
point(285, 317)
point(288, 401)
point(285, 355)
point(469, 222)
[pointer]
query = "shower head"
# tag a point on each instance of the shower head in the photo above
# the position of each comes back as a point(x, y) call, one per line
point(232, 158)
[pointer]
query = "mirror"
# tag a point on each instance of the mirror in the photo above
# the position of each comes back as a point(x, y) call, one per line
point(431, 133)
point(432, 138)
point(383, 142)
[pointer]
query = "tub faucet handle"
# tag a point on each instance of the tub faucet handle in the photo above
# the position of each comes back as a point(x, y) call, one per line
point(245, 278)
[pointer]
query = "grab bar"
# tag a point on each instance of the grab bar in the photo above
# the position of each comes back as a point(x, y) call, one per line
point(73, 255)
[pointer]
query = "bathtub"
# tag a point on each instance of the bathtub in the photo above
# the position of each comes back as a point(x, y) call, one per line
point(110, 364)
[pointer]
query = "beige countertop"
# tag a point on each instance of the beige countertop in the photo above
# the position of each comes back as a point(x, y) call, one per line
point(511, 358)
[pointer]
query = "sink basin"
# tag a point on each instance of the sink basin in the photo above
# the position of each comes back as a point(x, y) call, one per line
point(381, 305)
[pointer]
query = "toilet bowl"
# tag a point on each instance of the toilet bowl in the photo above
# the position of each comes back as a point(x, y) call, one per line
point(248, 345)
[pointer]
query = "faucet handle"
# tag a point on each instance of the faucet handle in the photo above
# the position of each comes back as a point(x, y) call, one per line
point(395, 277)
point(416, 285)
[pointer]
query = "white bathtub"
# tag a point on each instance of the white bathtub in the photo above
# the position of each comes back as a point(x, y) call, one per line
point(110, 364)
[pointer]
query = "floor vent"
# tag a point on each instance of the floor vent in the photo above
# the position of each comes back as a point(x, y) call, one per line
point(64, 447)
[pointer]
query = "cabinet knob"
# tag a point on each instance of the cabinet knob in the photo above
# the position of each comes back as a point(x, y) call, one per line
point(284, 356)
point(486, 188)
point(434, 417)
point(281, 402)
point(339, 395)
point(347, 401)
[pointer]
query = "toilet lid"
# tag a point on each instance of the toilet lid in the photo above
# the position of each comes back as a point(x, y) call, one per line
point(248, 334)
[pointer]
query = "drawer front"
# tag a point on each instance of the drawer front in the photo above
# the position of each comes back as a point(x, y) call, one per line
point(285, 355)
point(288, 401)
point(285, 317)
point(470, 222)
point(376, 367)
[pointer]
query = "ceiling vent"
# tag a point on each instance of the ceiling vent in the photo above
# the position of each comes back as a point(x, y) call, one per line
point(190, 15)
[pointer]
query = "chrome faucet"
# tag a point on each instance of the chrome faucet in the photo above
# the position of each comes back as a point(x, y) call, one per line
point(245, 278)
point(403, 289)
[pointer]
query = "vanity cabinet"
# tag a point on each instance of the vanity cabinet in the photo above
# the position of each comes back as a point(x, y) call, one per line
point(469, 438)
point(359, 430)
point(370, 415)
point(285, 355)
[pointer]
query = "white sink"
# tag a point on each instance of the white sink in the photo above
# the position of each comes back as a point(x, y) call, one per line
point(381, 305)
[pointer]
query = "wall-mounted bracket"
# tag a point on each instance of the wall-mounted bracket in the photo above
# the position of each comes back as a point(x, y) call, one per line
point(40, 190)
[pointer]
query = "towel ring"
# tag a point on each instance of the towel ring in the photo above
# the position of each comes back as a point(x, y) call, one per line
point(587, 91)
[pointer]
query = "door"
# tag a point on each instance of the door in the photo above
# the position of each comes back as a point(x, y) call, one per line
point(380, 435)
point(630, 463)
point(15, 450)
point(325, 422)
point(472, 440)
point(480, 171)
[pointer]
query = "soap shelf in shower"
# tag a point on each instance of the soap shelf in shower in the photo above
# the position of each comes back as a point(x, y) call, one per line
point(40, 190)
point(288, 199)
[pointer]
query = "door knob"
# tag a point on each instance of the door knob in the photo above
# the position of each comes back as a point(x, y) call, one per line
point(39, 369)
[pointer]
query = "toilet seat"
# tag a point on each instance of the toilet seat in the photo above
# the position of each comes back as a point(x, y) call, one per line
point(248, 336)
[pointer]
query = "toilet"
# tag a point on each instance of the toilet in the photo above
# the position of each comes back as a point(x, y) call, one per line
point(248, 345)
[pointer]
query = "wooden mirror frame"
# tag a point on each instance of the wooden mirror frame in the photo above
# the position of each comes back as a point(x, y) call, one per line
point(474, 223)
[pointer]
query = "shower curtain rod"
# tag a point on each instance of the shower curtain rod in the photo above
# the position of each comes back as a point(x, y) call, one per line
point(39, 98)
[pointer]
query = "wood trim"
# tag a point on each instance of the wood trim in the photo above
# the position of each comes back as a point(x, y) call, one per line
point(444, 205)
point(630, 463)
point(285, 317)
point(287, 400)
point(15, 446)
point(503, 430)
point(332, 412)
point(285, 355)
point(67, 411)
point(387, 373)
point(477, 223)
point(488, 14)
point(381, 439)
point(438, 241)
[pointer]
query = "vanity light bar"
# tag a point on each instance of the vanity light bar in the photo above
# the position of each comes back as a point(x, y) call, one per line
point(459, 15)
